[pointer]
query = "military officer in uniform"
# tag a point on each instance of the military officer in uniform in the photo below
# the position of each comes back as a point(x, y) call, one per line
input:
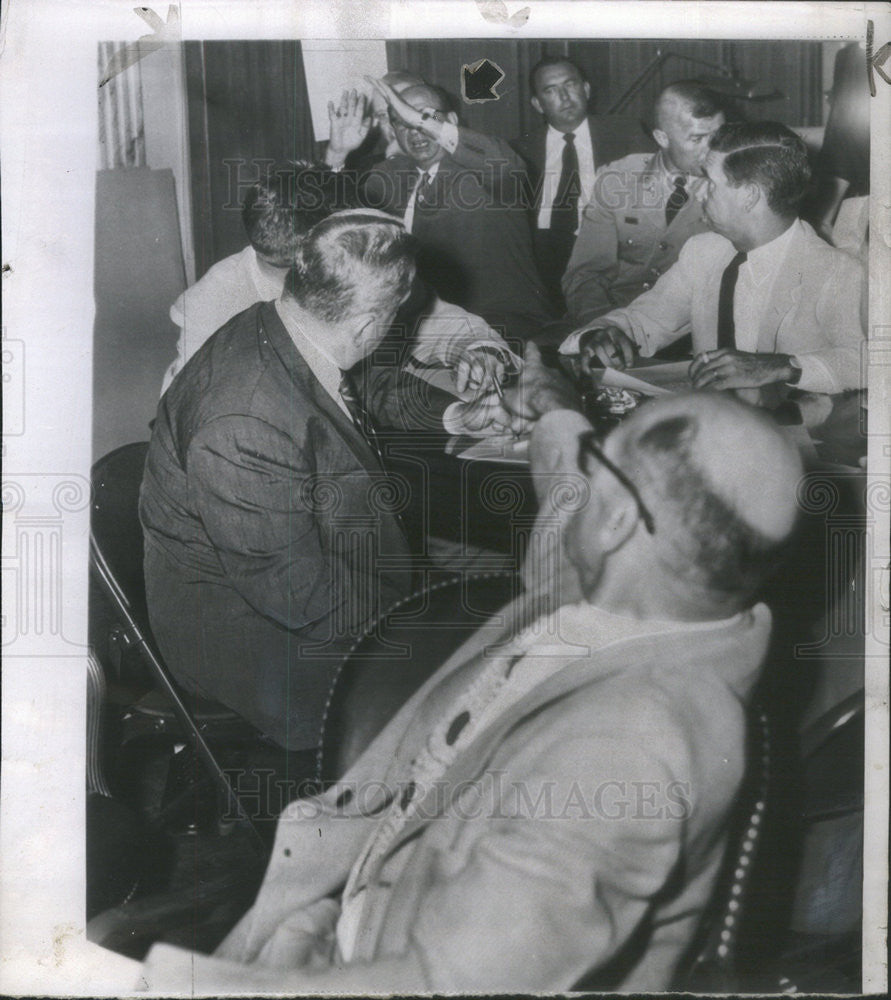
point(643, 207)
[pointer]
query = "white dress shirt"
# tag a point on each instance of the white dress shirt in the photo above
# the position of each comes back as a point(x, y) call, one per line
point(409, 217)
point(554, 146)
point(318, 360)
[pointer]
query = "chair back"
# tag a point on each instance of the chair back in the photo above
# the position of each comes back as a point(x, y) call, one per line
point(713, 968)
point(116, 547)
point(116, 560)
point(397, 653)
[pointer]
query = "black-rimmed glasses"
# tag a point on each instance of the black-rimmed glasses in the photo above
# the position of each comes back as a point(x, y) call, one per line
point(397, 122)
point(588, 448)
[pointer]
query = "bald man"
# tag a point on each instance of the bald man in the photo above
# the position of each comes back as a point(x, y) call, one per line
point(643, 207)
point(549, 811)
point(460, 194)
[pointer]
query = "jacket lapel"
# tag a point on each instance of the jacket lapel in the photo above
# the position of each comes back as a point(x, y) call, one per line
point(785, 295)
point(574, 671)
point(311, 390)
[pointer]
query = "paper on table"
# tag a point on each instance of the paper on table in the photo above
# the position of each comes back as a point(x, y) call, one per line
point(653, 380)
point(498, 449)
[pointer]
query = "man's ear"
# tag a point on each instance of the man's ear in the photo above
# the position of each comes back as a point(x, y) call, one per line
point(661, 138)
point(364, 328)
point(617, 523)
point(451, 117)
point(536, 103)
point(752, 194)
point(587, 88)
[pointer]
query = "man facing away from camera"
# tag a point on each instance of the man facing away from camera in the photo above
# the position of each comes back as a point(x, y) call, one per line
point(771, 306)
point(643, 207)
point(267, 545)
point(551, 807)
point(277, 213)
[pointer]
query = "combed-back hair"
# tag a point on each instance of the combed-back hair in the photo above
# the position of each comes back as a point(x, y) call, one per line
point(767, 154)
point(353, 262)
point(546, 61)
point(710, 544)
point(281, 208)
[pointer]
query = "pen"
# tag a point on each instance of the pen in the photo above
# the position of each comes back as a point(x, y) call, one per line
point(500, 393)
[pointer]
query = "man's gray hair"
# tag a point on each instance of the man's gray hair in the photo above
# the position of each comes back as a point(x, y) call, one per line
point(353, 262)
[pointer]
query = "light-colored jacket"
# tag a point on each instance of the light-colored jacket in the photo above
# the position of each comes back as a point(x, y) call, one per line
point(623, 244)
point(816, 309)
point(586, 833)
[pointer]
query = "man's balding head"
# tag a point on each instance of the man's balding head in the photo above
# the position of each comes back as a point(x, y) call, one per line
point(720, 481)
point(420, 147)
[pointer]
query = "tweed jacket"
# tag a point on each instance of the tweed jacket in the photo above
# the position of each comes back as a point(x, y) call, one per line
point(580, 832)
point(268, 540)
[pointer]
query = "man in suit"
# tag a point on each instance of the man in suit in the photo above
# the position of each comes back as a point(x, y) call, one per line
point(770, 304)
point(643, 207)
point(459, 193)
point(277, 213)
point(551, 806)
point(266, 549)
point(562, 156)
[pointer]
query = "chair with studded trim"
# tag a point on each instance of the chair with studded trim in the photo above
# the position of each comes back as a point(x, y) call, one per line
point(713, 966)
point(397, 653)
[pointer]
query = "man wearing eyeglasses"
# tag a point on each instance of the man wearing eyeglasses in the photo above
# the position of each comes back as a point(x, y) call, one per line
point(549, 811)
point(460, 194)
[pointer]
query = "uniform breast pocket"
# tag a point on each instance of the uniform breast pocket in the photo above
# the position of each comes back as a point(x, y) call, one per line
point(633, 246)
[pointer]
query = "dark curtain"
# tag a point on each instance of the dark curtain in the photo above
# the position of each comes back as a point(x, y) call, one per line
point(248, 100)
point(247, 103)
point(793, 68)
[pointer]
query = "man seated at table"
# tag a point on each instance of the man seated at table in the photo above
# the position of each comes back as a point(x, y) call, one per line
point(771, 304)
point(460, 193)
point(268, 540)
point(277, 213)
point(644, 207)
point(552, 805)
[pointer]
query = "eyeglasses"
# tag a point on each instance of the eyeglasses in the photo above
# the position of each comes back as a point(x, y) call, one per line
point(397, 122)
point(589, 447)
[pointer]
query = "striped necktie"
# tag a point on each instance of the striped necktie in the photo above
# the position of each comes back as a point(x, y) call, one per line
point(361, 417)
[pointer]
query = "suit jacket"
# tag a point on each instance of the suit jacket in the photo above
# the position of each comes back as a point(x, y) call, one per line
point(623, 244)
point(816, 309)
point(267, 544)
point(581, 829)
point(473, 230)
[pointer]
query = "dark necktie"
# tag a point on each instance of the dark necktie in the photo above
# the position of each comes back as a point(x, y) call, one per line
point(564, 213)
point(676, 200)
point(726, 327)
point(361, 416)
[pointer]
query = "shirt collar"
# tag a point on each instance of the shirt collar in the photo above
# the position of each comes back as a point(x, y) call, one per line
point(322, 365)
point(766, 259)
point(581, 132)
point(430, 171)
point(268, 287)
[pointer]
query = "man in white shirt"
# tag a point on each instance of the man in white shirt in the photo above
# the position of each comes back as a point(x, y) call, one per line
point(562, 155)
point(769, 303)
